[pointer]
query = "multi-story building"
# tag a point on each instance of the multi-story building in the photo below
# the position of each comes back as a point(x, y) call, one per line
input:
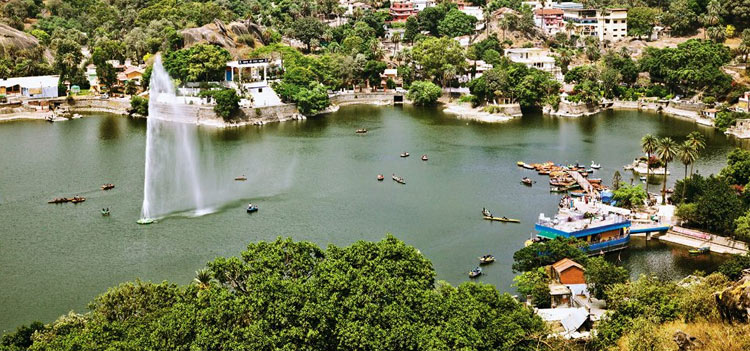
point(610, 24)
point(535, 57)
point(420, 5)
point(549, 20)
point(401, 10)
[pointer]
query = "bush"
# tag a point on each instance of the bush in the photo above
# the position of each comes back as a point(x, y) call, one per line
point(246, 39)
point(227, 103)
point(138, 106)
point(732, 268)
point(493, 109)
point(630, 196)
point(424, 93)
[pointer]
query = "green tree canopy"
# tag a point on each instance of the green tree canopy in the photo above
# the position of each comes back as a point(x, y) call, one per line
point(457, 23)
point(424, 93)
point(544, 253)
point(602, 275)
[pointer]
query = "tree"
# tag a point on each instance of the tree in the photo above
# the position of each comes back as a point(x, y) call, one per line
point(203, 278)
point(227, 103)
point(312, 99)
point(733, 267)
point(742, 227)
point(602, 275)
point(307, 29)
point(666, 150)
point(457, 23)
point(737, 170)
point(200, 62)
point(563, 59)
point(544, 253)
point(712, 17)
point(649, 143)
point(716, 34)
point(534, 284)
point(67, 58)
point(697, 142)
point(641, 21)
point(687, 154)
point(423, 93)
point(629, 196)
point(616, 180)
point(435, 55)
point(718, 206)
point(681, 17)
point(411, 29)
point(430, 17)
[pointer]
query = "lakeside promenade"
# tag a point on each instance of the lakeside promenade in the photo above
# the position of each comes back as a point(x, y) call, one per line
point(696, 239)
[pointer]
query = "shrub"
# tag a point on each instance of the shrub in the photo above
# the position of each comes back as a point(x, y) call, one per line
point(138, 106)
point(227, 103)
point(424, 93)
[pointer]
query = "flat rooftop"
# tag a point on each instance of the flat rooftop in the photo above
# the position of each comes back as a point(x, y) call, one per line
point(572, 219)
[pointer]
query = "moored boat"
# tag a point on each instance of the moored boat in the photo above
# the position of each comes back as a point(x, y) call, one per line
point(424, 157)
point(502, 219)
point(595, 165)
point(577, 193)
point(77, 199)
point(486, 212)
point(361, 131)
point(595, 180)
point(485, 259)
point(700, 251)
point(398, 179)
point(557, 189)
point(104, 212)
point(520, 163)
point(527, 181)
point(475, 272)
point(58, 200)
point(241, 178)
point(404, 154)
point(380, 177)
point(108, 186)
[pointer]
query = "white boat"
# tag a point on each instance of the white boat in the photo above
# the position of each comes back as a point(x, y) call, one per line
point(595, 165)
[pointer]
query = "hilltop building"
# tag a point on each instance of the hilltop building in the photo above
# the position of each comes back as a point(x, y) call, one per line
point(251, 76)
point(608, 24)
point(401, 10)
point(535, 58)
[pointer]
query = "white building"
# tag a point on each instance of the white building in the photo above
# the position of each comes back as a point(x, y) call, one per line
point(30, 87)
point(535, 58)
point(608, 25)
point(420, 5)
point(251, 75)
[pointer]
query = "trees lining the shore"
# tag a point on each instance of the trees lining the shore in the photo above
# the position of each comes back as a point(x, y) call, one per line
point(281, 294)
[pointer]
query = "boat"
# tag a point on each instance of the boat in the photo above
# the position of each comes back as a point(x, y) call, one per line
point(558, 189)
point(520, 163)
point(486, 259)
point(527, 181)
point(108, 186)
point(502, 219)
point(643, 178)
point(628, 167)
point(398, 179)
point(144, 221)
point(590, 170)
point(380, 177)
point(595, 180)
point(595, 165)
point(105, 212)
point(361, 131)
point(241, 178)
point(424, 157)
point(77, 199)
point(475, 272)
point(252, 208)
point(404, 154)
point(700, 251)
point(543, 172)
point(486, 212)
point(527, 166)
point(58, 200)
point(577, 193)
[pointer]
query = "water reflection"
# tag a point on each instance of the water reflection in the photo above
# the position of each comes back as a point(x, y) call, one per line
point(109, 128)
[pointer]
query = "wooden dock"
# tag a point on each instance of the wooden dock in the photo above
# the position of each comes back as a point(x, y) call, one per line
point(585, 185)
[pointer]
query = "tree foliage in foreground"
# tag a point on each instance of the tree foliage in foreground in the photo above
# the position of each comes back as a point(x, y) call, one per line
point(545, 253)
point(295, 295)
point(424, 93)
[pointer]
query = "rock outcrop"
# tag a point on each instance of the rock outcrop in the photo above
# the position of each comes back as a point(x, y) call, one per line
point(686, 342)
point(11, 38)
point(733, 302)
point(217, 33)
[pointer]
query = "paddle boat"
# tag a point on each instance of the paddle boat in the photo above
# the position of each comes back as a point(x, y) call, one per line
point(486, 259)
point(380, 177)
point(578, 193)
point(424, 157)
point(144, 221)
point(700, 251)
point(486, 212)
point(557, 189)
point(108, 186)
point(520, 163)
point(404, 154)
point(595, 165)
point(252, 208)
point(361, 131)
point(398, 179)
point(527, 166)
point(105, 212)
point(502, 219)
point(527, 181)
point(475, 272)
point(240, 178)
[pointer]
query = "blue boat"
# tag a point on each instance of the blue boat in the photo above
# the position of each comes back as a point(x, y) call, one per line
point(252, 208)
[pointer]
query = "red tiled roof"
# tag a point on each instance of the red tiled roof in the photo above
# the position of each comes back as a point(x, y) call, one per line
point(562, 265)
point(542, 12)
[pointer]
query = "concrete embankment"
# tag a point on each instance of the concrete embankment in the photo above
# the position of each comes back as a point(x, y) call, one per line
point(571, 109)
point(696, 239)
point(118, 106)
point(463, 110)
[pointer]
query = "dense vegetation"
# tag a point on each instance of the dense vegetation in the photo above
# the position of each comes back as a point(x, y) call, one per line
point(285, 294)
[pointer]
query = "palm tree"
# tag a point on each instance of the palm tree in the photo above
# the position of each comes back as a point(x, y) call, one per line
point(698, 143)
point(395, 39)
point(687, 154)
point(666, 150)
point(203, 278)
point(648, 145)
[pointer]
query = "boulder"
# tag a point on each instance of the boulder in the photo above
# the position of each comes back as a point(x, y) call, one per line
point(733, 302)
point(11, 38)
point(685, 342)
point(217, 33)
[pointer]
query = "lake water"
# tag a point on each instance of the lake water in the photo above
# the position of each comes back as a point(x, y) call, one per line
point(314, 180)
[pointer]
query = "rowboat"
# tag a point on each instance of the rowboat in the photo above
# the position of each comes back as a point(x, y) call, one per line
point(486, 259)
point(144, 221)
point(475, 272)
point(520, 163)
point(577, 193)
point(502, 219)
point(380, 177)
point(700, 251)
point(361, 131)
point(77, 199)
point(241, 178)
point(398, 179)
point(58, 200)
point(252, 208)
point(108, 186)
point(557, 189)
point(404, 154)
point(527, 166)
point(527, 181)
point(424, 157)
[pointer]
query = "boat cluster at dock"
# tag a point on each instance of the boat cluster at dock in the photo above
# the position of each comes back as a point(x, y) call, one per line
point(564, 178)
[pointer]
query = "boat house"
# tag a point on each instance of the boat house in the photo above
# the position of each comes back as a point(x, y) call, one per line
point(604, 228)
point(30, 87)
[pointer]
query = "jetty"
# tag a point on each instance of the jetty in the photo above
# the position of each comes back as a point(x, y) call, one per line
point(696, 239)
point(583, 182)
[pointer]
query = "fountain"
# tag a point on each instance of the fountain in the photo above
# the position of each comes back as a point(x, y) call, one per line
point(172, 180)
